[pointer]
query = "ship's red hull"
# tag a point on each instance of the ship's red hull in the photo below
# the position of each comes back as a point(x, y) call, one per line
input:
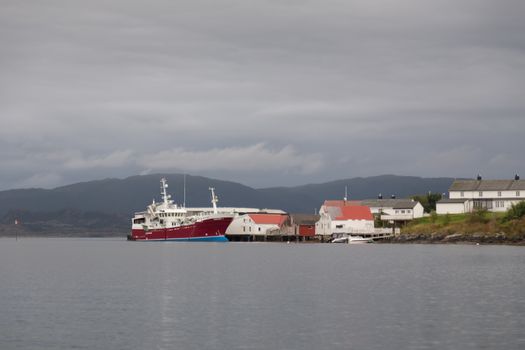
point(206, 230)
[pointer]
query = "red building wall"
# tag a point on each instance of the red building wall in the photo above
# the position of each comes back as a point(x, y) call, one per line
point(307, 230)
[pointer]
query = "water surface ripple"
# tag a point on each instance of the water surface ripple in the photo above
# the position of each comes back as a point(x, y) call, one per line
point(114, 294)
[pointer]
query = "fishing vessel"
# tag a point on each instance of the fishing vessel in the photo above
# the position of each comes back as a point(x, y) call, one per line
point(167, 221)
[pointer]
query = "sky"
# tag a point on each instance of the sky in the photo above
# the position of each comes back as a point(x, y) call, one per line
point(266, 93)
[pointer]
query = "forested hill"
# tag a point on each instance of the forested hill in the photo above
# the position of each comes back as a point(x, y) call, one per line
point(96, 203)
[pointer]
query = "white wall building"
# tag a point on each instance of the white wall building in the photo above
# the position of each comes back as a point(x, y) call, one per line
point(257, 224)
point(339, 218)
point(393, 209)
point(492, 195)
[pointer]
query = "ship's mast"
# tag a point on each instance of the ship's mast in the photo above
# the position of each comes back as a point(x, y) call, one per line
point(214, 200)
point(163, 192)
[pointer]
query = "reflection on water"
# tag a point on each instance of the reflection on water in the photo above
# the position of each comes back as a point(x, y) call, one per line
point(114, 294)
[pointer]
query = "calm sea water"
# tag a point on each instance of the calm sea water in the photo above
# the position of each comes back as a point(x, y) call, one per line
point(114, 294)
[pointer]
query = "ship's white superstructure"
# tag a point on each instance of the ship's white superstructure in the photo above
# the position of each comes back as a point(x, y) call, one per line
point(160, 220)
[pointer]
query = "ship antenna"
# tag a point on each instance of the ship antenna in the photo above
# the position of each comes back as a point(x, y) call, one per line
point(214, 200)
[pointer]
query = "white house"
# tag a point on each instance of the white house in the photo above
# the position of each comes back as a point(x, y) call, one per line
point(492, 195)
point(452, 206)
point(340, 218)
point(393, 209)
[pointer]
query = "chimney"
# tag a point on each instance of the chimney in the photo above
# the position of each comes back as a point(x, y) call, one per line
point(517, 177)
point(479, 178)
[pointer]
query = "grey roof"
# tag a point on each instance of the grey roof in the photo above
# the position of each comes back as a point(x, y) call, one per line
point(401, 203)
point(305, 219)
point(487, 185)
point(454, 200)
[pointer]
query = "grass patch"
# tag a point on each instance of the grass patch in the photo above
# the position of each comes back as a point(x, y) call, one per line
point(479, 222)
point(439, 219)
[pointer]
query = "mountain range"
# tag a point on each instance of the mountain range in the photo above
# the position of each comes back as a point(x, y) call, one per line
point(107, 205)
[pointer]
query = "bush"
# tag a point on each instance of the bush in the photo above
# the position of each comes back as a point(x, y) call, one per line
point(446, 219)
point(516, 211)
point(478, 216)
point(433, 216)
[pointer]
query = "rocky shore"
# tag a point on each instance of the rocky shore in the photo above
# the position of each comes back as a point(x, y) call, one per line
point(459, 238)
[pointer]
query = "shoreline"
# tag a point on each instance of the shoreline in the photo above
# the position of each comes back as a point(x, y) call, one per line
point(457, 238)
point(403, 239)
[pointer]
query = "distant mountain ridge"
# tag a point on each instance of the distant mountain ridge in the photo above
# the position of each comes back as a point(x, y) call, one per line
point(120, 198)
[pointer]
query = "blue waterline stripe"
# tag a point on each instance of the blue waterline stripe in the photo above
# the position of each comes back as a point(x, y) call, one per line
point(193, 239)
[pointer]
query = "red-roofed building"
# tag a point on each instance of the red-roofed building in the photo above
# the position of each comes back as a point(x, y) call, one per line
point(341, 217)
point(258, 224)
point(355, 212)
point(268, 219)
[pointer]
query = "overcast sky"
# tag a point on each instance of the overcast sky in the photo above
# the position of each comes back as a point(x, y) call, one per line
point(261, 92)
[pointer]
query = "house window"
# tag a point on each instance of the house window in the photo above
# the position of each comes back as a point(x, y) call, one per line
point(259, 229)
point(462, 194)
point(250, 229)
point(244, 229)
point(517, 193)
point(499, 193)
point(338, 226)
point(480, 193)
point(402, 211)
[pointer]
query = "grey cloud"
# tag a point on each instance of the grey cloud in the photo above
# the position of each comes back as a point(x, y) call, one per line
point(352, 87)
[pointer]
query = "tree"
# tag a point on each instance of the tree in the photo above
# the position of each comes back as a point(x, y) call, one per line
point(428, 201)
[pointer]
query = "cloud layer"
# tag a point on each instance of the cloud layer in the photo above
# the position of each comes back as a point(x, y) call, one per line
point(262, 92)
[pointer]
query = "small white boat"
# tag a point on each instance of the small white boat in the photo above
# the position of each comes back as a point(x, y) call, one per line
point(352, 240)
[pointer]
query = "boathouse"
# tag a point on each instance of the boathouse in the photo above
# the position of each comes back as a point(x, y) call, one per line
point(341, 217)
point(258, 226)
